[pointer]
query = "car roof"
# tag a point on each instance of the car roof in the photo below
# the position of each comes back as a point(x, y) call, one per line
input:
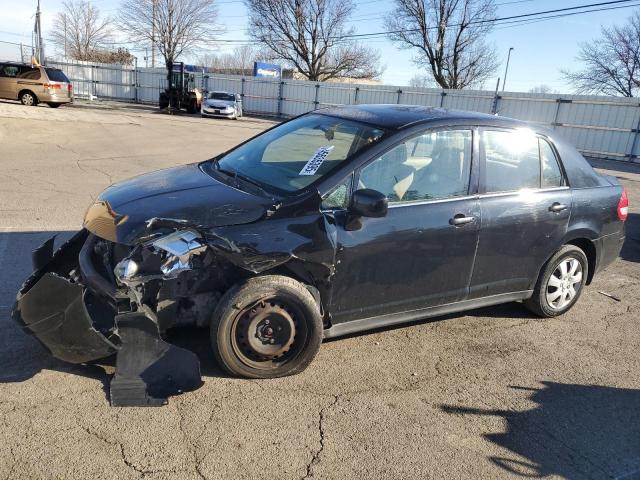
point(401, 116)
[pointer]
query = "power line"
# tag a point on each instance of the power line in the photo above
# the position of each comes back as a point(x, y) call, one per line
point(496, 20)
point(512, 20)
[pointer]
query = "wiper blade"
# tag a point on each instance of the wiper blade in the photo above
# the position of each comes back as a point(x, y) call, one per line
point(248, 180)
point(235, 175)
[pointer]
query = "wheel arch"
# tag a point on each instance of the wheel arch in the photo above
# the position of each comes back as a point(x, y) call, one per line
point(590, 251)
point(585, 240)
point(28, 90)
point(297, 271)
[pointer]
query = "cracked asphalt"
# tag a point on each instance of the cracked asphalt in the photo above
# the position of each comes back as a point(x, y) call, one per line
point(493, 393)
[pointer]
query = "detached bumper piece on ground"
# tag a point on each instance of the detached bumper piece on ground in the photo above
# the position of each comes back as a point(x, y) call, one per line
point(78, 325)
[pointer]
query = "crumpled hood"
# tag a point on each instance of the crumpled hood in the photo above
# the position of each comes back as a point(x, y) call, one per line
point(183, 193)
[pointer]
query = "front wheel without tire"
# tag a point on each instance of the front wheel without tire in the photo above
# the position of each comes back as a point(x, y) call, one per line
point(266, 327)
point(560, 283)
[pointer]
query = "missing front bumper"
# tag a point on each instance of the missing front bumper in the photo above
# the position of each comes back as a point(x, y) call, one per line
point(78, 325)
point(54, 307)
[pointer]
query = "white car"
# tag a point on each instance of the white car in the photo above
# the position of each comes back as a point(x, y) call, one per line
point(222, 104)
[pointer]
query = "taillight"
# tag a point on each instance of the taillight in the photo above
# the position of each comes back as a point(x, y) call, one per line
point(69, 86)
point(52, 86)
point(623, 206)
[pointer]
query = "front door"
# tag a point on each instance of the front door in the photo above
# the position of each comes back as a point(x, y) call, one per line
point(525, 205)
point(421, 254)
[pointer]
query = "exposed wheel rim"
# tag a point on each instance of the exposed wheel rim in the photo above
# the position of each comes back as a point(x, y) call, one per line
point(268, 334)
point(27, 99)
point(564, 283)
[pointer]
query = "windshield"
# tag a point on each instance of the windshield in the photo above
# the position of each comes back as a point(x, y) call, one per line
point(295, 154)
point(56, 75)
point(222, 96)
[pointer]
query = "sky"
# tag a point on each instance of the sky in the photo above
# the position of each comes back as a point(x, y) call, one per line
point(541, 50)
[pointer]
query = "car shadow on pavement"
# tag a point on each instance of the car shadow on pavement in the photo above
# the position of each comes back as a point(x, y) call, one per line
point(573, 431)
point(631, 248)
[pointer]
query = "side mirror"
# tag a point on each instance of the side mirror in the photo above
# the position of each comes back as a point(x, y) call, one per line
point(367, 202)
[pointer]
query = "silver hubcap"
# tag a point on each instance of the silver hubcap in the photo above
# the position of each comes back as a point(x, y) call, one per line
point(27, 99)
point(564, 283)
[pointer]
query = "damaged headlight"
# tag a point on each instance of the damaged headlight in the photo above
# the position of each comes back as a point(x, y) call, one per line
point(180, 247)
point(167, 257)
point(126, 269)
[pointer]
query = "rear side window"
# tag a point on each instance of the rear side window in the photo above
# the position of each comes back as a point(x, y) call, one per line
point(512, 161)
point(551, 173)
point(56, 75)
point(10, 71)
point(30, 74)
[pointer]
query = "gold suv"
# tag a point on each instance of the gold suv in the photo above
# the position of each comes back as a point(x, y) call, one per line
point(33, 84)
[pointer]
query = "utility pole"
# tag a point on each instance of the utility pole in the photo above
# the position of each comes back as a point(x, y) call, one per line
point(506, 70)
point(153, 34)
point(41, 59)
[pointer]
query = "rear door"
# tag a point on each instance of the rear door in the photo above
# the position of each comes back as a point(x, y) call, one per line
point(59, 84)
point(525, 205)
point(30, 78)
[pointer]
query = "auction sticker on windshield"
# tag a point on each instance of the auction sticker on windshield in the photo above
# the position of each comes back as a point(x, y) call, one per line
point(316, 160)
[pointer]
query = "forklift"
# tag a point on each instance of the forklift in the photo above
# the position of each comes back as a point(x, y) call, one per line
point(181, 92)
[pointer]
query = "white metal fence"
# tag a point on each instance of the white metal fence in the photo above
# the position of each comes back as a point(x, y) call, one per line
point(604, 127)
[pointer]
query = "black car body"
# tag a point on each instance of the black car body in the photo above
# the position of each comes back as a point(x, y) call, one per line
point(403, 213)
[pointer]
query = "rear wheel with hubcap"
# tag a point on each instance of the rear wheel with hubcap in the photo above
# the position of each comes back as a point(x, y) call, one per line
point(561, 282)
point(266, 327)
point(28, 99)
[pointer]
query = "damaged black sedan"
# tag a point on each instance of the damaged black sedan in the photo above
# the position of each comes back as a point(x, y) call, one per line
point(335, 222)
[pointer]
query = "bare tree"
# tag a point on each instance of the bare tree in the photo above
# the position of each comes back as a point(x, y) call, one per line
point(422, 81)
point(449, 37)
point(312, 37)
point(544, 89)
point(611, 63)
point(120, 55)
point(79, 29)
point(238, 62)
point(173, 26)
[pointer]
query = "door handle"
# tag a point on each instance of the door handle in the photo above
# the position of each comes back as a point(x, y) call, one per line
point(460, 220)
point(557, 207)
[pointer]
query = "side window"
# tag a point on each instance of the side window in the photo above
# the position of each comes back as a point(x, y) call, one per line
point(512, 161)
point(339, 196)
point(434, 165)
point(30, 74)
point(551, 173)
point(10, 71)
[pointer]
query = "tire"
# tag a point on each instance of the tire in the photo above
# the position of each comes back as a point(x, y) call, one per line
point(549, 300)
point(54, 105)
point(246, 322)
point(28, 99)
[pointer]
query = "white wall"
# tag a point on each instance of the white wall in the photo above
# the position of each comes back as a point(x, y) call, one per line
point(605, 127)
